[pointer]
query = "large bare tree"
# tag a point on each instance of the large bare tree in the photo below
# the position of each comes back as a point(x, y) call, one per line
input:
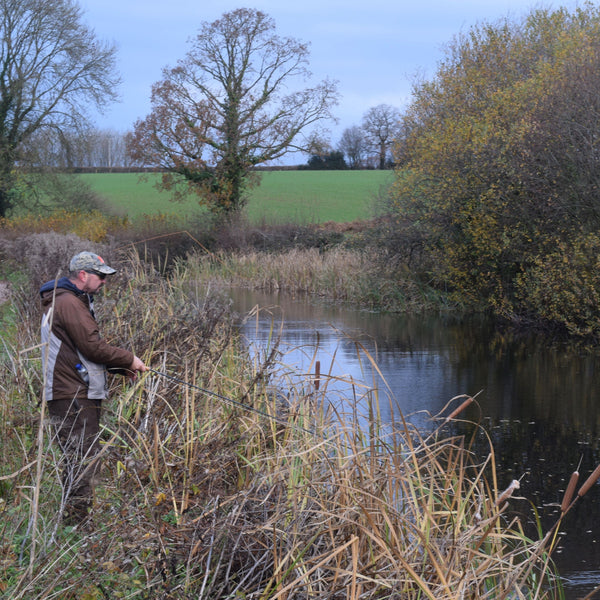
point(229, 105)
point(52, 66)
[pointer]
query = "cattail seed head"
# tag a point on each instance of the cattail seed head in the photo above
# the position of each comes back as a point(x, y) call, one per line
point(507, 493)
point(570, 491)
point(459, 409)
point(589, 482)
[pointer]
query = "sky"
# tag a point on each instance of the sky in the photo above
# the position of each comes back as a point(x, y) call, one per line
point(373, 48)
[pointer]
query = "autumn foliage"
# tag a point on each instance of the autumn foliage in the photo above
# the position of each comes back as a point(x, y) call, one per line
point(500, 173)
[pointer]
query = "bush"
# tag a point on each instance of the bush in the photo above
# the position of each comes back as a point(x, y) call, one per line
point(563, 287)
point(44, 256)
point(162, 239)
point(94, 226)
point(500, 170)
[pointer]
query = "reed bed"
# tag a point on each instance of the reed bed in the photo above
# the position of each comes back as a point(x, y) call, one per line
point(358, 277)
point(226, 477)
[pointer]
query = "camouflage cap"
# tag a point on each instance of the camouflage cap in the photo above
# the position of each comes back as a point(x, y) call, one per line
point(88, 261)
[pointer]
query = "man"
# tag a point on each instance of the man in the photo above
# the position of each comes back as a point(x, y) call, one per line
point(75, 361)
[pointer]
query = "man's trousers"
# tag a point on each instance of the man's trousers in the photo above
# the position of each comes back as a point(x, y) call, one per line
point(75, 425)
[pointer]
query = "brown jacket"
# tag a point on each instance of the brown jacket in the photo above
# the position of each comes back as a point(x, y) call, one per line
point(70, 336)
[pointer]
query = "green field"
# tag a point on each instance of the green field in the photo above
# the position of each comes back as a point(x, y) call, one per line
point(283, 196)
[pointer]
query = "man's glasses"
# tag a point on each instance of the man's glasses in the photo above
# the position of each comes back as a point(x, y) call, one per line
point(101, 276)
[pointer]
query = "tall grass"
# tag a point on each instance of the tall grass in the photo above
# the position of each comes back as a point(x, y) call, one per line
point(230, 479)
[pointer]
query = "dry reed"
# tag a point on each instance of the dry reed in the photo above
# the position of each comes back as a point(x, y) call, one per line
point(346, 275)
point(205, 499)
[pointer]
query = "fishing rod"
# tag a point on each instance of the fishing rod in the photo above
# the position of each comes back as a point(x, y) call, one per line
point(229, 400)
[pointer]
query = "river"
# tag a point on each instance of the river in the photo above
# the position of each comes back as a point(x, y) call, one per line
point(538, 400)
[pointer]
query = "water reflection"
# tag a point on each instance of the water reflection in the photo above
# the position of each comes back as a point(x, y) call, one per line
point(538, 401)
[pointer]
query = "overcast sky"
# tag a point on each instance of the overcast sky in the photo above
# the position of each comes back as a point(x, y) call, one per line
point(373, 48)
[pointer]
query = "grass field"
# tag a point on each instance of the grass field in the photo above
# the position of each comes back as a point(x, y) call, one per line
point(283, 196)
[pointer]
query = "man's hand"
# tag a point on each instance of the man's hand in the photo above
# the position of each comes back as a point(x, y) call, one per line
point(137, 365)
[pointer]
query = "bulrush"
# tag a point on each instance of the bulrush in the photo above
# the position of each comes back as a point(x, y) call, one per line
point(589, 482)
point(508, 492)
point(459, 409)
point(570, 491)
point(315, 507)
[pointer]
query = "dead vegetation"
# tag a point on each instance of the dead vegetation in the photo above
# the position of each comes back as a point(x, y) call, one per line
point(225, 480)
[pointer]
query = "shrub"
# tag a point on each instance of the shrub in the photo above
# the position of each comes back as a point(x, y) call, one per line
point(500, 163)
point(94, 226)
point(162, 239)
point(43, 256)
point(563, 287)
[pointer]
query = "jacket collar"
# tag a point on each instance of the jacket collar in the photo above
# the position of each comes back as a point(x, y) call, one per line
point(64, 283)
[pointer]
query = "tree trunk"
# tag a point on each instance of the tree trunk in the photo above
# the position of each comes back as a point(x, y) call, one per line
point(7, 183)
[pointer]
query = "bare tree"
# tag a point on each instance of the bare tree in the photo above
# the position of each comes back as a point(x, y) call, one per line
point(354, 145)
point(381, 125)
point(227, 107)
point(52, 67)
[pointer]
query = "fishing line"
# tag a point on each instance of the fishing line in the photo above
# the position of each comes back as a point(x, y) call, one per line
point(230, 400)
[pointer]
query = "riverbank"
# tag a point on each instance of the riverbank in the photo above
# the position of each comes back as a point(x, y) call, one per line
point(218, 487)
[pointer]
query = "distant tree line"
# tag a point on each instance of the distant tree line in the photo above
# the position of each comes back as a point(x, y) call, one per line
point(332, 160)
point(77, 149)
point(372, 145)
